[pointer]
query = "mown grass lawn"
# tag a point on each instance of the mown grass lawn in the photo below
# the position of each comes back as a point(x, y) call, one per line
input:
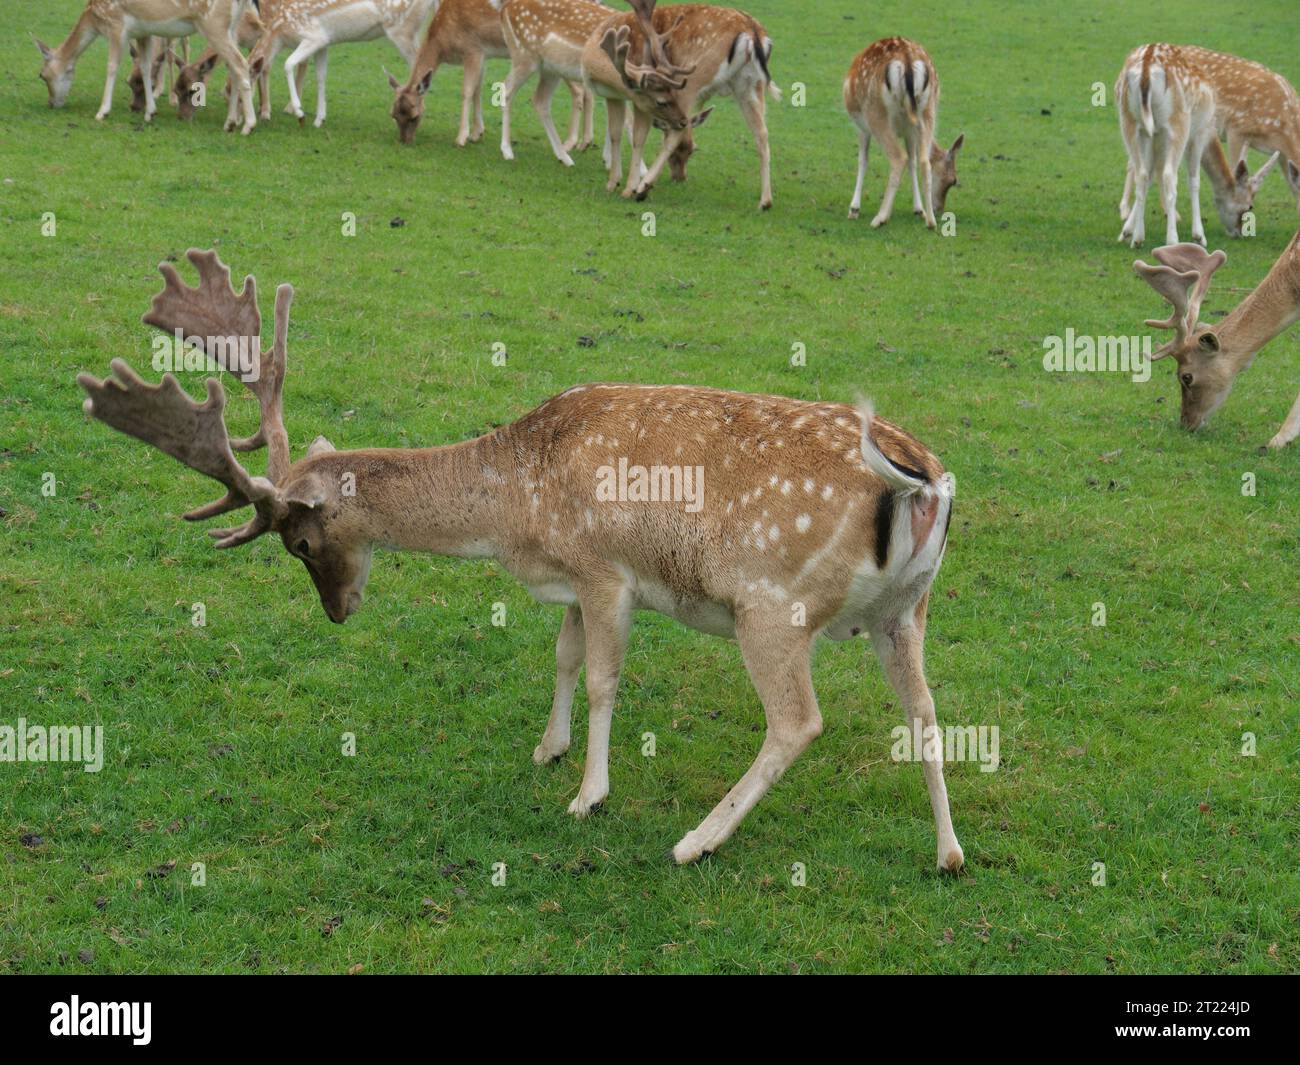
point(1120, 744)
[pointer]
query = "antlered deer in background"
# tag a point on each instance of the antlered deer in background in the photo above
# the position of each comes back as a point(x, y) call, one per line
point(1168, 106)
point(767, 519)
point(546, 37)
point(465, 32)
point(668, 61)
point(121, 21)
point(311, 26)
point(892, 93)
point(1210, 357)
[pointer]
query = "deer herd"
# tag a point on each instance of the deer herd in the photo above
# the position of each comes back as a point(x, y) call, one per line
point(816, 511)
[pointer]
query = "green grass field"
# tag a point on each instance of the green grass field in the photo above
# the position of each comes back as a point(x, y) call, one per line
point(1120, 744)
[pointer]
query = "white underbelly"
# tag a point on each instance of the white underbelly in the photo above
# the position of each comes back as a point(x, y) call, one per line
point(168, 27)
point(351, 22)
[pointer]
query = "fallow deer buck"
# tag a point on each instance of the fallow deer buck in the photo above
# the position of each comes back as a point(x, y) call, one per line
point(464, 32)
point(546, 37)
point(311, 26)
point(1167, 105)
point(762, 518)
point(892, 93)
point(121, 21)
point(1210, 357)
point(688, 53)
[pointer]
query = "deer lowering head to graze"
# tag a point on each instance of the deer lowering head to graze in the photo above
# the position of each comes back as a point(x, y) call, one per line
point(546, 37)
point(762, 518)
point(1210, 357)
point(667, 62)
point(121, 21)
point(892, 93)
point(248, 32)
point(309, 27)
point(1167, 105)
point(163, 58)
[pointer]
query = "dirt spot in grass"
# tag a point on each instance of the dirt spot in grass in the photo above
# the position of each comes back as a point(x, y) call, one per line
point(31, 840)
point(329, 927)
point(158, 872)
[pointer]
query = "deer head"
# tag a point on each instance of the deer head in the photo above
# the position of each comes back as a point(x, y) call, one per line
point(56, 72)
point(656, 79)
point(408, 105)
point(1235, 195)
point(190, 75)
point(943, 173)
point(302, 501)
point(1206, 369)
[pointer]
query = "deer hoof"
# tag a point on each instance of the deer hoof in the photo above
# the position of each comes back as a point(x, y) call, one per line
point(544, 755)
point(582, 807)
point(951, 859)
point(853, 213)
point(691, 849)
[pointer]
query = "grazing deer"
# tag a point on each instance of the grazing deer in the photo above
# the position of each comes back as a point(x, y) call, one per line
point(311, 26)
point(892, 93)
point(121, 21)
point(818, 518)
point(546, 37)
point(163, 58)
point(1210, 357)
point(247, 33)
point(464, 32)
point(688, 53)
point(1167, 107)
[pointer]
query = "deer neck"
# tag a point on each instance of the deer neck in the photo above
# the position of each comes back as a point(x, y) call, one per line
point(1215, 164)
point(446, 500)
point(1272, 308)
point(82, 37)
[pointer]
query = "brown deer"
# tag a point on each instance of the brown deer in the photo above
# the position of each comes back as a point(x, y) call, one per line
point(1210, 357)
point(121, 21)
point(464, 32)
point(762, 518)
point(247, 33)
point(1168, 105)
point(668, 61)
point(892, 93)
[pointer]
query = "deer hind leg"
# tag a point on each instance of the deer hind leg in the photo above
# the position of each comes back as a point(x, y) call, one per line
point(147, 76)
point(477, 132)
point(921, 158)
point(1125, 198)
point(778, 659)
point(522, 66)
point(322, 61)
point(753, 108)
point(546, 86)
point(864, 142)
point(1290, 428)
point(606, 619)
point(222, 41)
point(897, 154)
point(469, 89)
point(570, 650)
point(1134, 230)
point(1175, 149)
point(899, 647)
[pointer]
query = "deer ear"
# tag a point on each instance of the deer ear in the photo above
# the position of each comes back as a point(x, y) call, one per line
point(319, 446)
point(308, 491)
point(47, 53)
point(392, 81)
point(1242, 172)
point(956, 145)
point(207, 66)
point(425, 82)
point(1208, 343)
point(698, 120)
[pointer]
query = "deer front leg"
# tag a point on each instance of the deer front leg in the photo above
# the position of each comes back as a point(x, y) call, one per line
point(899, 650)
point(1290, 428)
point(570, 650)
point(606, 619)
point(116, 42)
point(777, 657)
point(576, 113)
point(322, 62)
point(671, 140)
point(147, 75)
point(305, 50)
point(469, 89)
point(864, 142)
point(241, 100)
point(521, 69)
point(615, 116)
point(640, 130)
point(897, 161)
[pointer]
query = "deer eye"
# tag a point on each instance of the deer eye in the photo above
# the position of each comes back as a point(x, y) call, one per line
point(1186, 378)
point(303, 548)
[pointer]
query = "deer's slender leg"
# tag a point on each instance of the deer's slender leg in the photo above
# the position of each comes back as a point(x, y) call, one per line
point(570, 650)
point(671, 140)
point(615, 116)
point(1195, 149)
point(479, 127)
point(864, 142)
point(222, 41)
point(752, 107)
point(1175, 148)
point(522, 66)
point(897, 161)
point(1135, 225)
point(777, 657)
point(606, 619)
point(307, 48)
point(469, 89)
point(640, 130)
point(924, 142)
point(147, 76)
point(899, 648)
point(116, 42)
point(546, 86)
point(1125, 196)
point(575, 116)
point(1290, 428)
point(322, 60)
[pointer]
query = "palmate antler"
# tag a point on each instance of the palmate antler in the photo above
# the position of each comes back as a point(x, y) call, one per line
point(223, 325)
point(656, 71)
point(1183, 280)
